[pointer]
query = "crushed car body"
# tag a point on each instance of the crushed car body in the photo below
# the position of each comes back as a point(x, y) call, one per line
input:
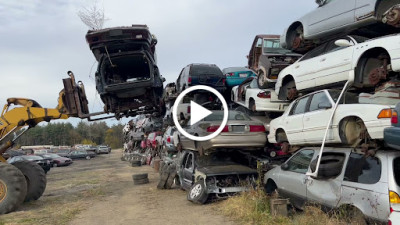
point(127, 77)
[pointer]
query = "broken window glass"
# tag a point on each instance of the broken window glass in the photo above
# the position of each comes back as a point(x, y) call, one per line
point(361, 169)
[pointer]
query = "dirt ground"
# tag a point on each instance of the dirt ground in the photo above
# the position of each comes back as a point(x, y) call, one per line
point(101, 191)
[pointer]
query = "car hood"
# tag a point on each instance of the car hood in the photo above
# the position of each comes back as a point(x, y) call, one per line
point(226, 170)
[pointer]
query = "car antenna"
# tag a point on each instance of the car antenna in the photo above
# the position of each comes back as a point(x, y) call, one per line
point(108, 55)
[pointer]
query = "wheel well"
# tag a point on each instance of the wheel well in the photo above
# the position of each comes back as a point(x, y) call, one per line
point(251, 100)
point(382, 6)
point(373, 52)
point(341, 123)
point(279, 131)
point(270, 186)
point(292, 27)
point(287, 79)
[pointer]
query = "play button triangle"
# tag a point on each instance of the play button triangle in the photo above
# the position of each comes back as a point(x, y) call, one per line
point(197, 112)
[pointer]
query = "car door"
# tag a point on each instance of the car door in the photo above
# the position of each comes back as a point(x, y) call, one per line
point(364, 9)
point(292, 179)
point(188, 170)
point(317, 117)
point(304, 70)
point(335, 65)
point(293, 123)
point(326, 192)
point(333, 15)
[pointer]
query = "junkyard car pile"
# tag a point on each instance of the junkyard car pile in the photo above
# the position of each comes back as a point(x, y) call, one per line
point(332, 79)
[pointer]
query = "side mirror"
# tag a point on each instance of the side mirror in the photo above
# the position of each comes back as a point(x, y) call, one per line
point(343, 43)
point(285, 166)
point(324, 105)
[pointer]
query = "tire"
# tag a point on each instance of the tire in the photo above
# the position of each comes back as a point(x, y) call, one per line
point(140, 176)
point(171, 176)
point(262, 84)
point(87, 157)
point(162, 165)
point(123, 158)
point(13, 188)
point(330, 166)
point(55, 165)
point(252, 105)
point(197, 193)
point(141, 181)
point(177, 180)
point(163, 179)
point(35, 179)
point(136, 163)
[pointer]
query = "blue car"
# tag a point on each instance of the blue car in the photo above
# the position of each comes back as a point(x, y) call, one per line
point(391, 135)
point(236, 75)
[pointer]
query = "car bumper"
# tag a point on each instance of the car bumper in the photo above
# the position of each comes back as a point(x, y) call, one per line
point(375, 128)
point(253, 140)
point(392, 137)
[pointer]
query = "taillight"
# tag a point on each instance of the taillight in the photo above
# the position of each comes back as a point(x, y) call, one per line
point(188, 109)
point(257, 128)
point(169, 139)
point(394, 119)
point(385, 113)
point(223, 81)
point(229, 74)
point(389, 222)
point(215, 128)
point(394, 197)
point(189, 80)
point(265, 94)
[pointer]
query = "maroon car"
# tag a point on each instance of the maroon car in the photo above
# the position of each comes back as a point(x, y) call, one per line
point(58, 160)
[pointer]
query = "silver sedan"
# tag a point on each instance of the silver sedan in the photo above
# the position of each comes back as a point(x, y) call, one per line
point(240, 132)
point(338, 17)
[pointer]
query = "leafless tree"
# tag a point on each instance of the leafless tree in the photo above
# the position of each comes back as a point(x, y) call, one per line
point(92, 16)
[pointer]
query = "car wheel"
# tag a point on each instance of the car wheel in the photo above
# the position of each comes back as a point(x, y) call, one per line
point(13, 188)
point(35, 179)
point(197, 193)
point(136, 163)
point(289, 91)
point(87, 157)
point(261, 80)
point(55, 164)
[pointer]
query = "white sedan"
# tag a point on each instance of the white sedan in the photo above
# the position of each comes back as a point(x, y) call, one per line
point(305, 120)
point(367, 63)
point(250, 96)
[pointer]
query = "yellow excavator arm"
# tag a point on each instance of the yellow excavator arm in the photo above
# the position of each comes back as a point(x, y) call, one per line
point(72, 102)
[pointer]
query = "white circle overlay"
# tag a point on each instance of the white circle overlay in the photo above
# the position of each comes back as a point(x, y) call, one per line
point(175, 116)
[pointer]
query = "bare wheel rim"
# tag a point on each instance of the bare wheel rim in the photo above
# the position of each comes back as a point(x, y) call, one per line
point(352, 131)
point(195, 191)
point(3, 190)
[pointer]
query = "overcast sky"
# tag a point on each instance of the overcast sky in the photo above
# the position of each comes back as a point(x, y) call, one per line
point(42, 40)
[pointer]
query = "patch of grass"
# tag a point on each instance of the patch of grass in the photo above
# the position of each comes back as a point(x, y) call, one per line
point(254, 208)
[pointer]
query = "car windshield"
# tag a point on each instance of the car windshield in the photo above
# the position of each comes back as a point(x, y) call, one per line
point(205, 69)
point(232, 115)
point(274, 46)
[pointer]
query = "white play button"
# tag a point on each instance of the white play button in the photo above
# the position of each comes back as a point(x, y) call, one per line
point(198, 112)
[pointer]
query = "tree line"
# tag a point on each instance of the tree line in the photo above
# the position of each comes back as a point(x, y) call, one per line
point(94, 133)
